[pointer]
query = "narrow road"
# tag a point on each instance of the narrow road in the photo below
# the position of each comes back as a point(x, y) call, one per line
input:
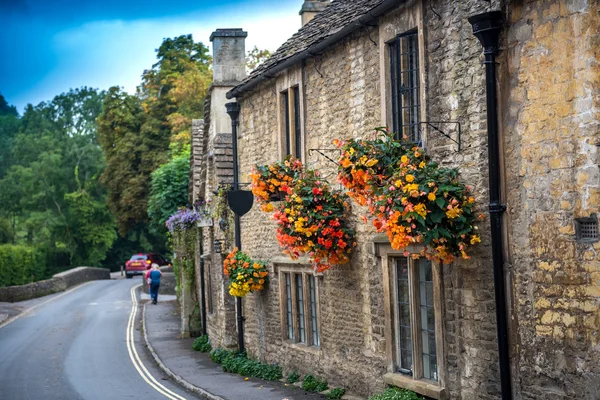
point(76, 347)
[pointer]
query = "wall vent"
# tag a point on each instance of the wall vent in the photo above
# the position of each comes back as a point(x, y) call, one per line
point(586, 229)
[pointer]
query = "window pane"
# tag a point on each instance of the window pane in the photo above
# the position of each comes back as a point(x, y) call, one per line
point(316, 340)
point(290, 317)
point(286, 112)
point(297, 130)
point(404, 340)
point(300, 297)
point(404, 79)
point(427, 311)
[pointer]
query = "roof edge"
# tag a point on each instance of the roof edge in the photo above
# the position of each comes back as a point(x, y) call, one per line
point(314, 49)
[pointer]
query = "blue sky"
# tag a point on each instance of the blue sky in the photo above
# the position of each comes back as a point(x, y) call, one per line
point(50, 46)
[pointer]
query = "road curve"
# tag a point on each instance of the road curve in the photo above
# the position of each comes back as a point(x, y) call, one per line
point(75, 347)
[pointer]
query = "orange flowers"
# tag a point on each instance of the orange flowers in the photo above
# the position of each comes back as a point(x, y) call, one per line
point(272, 182)
point(409, 197)
point(243, 278)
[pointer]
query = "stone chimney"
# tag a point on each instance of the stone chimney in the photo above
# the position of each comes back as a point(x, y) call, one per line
point(229, 69)
point(310, 8)
point(229, 55)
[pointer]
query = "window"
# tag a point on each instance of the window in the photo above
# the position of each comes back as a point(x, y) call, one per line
point(404, 74)
point(300, 308)
point(414, 319)
point(291, 122)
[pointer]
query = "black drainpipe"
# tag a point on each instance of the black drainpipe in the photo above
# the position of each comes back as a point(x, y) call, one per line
point(487, 27)
point(233, 109)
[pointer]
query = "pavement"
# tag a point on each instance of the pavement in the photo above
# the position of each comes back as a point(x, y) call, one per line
point(195, 371)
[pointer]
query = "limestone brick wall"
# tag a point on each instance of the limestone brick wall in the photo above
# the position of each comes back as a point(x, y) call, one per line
point(342, 99)
point(551, 102)
point(456, 92)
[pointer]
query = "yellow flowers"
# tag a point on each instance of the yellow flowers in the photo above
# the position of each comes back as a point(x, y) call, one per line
point(422, 164)
point(453, 212)
point(475, 239)
point(372, 162)
point(404, 159)
point(421, 210)
point(409, 178)
point(242, 279)
point(431, 196)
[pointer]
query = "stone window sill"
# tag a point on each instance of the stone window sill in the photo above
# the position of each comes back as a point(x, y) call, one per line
point(315, 350)
point(423, 387)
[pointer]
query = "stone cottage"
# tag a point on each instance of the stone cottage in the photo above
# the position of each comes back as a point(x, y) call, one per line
point(416, 67)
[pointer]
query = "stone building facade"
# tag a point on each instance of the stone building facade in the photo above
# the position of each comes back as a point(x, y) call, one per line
point(338, 68)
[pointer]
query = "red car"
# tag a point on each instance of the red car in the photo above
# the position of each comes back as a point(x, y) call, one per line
point(138, 264)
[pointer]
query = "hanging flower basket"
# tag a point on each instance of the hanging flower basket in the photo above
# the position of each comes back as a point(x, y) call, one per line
point(410, 198)
point(245, 275)
point(272, 182)
point(313, 221)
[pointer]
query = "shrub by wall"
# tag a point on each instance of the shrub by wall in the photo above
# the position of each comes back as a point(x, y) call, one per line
point(20, 264)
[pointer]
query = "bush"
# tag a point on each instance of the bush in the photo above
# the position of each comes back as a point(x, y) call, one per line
point(239, 363)
point(336, 393)
point(293, 377)
point(21, 264)
point(218, 355)
point(202, 344)
point(395, 393)
point(312, 384)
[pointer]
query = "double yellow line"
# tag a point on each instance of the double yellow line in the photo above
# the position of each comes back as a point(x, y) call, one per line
point(135, 358)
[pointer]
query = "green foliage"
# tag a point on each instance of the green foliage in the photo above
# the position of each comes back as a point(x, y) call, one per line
point(312, 384)
point(168, 190)
point(49, 189)
point(239, 363)
point(202, 344)
point(221, 211)
point(20, 264)
point(293, 377)
point(335, 393)
point(129, 160)
point(395, 393)
point(218, 355)
point(92, 226)
point(255, 57)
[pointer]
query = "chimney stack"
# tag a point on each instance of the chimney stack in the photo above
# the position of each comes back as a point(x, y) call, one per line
point(229, 55)
point(229, 69)
point(310, 8)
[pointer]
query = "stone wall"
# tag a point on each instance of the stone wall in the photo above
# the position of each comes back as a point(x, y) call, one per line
point(551, 118)
point(58, 283)
point(342, 99)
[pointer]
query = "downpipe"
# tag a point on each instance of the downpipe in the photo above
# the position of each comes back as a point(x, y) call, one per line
point(487, 27)
point(233, 109)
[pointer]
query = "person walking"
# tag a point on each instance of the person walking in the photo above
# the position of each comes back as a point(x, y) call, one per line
point(155, 275)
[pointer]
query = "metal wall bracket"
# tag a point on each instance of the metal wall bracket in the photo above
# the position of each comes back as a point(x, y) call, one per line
point(323, 152)
point(435, 126)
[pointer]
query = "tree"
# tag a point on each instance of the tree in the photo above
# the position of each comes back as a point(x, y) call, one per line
point(255, 57)
point(50, 192)
point(9, 126)
point(125, 175)
point(168, 190)
point(136, 131)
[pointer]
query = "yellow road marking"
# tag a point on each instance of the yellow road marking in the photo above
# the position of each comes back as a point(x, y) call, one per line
point(135, 359)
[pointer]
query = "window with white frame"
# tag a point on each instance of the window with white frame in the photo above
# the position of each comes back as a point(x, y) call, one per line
point(414, 318)
point(291, 126)
point(299, 296)
point(404, 80)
